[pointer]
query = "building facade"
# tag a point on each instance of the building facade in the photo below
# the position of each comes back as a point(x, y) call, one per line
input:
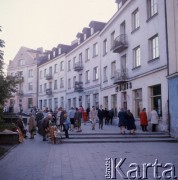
point(126, 62)
point(24, 67)
point(172, 29)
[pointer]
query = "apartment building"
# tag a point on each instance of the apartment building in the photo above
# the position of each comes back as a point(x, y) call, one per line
point(24, 67)
point(83, 68)
point(172, 29)
point(52, 78)
point(134, 59)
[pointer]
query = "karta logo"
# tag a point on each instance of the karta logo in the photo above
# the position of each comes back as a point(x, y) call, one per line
point(114, 169)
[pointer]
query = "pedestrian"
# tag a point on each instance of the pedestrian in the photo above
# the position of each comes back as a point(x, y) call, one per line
point(122, 120)
point(111, 115)
point(101, 116)
point(84, 116)
point(63, 111)
point(32, 126)
point(45, 126)
point(143, 120)
point(130, 122)
point(106, 115)
point(71, 117)
point(66, 125)
point(77, 119)
point(154, 119)
point(88, 112)
point(93, 115)
point(21, 126)
point(58, 124)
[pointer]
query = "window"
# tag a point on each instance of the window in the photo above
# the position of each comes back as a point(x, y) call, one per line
point(85, 36)
point(40, 74)
point(80, 58)
point(49, 56)
point(105, 100)
point(59, 51)
point(135, 20)
point(113, 69)
point(45, 103)
point(74, 79)
point(112, 39)
point(62, 102)
point(96, 100)
point(45, 73)
point(30, 86)
point(114, 104)
point(69, 104)
point(87, 76)
point(95, 74)
point(54, 53)
point(61, 82)
point(74, 102)
point(156, 100)
point(21, 62)
point(55, 68)
point(87, 101)
point(138, 102)
point(69, 83)
point(92, 30)
point(55, 103)
point(55, 84)
point(154, 47)
point(136, 54)
point(30, 102)
point(95, 49)
point(152, 8)
point(105, 50)
point(74, 61)
point(105, 73)
point(69, 65)
point(40, 88)
point(30, 73)
point(50, 70)
point(87, 54)
point(80, 77)
point(50, 85)
point(45, 87)
point(62, 66)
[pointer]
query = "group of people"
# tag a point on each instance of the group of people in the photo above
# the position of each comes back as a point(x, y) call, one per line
point(72, 119)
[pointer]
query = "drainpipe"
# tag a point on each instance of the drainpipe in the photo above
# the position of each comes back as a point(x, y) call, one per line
point(167, 53)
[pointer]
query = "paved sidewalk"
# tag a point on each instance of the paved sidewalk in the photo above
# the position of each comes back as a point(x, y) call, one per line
point(38, 160)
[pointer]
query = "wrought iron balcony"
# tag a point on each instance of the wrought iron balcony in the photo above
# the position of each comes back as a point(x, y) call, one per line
point(78, 86)
point(120, 43)
point(20, 93)
point(121, 76)
point(49, 76)
point(20, 79)
point(48, 91)
point(78, 66)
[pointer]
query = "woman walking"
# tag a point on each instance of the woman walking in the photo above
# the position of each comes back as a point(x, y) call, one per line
point(154, 120)
point(32, 126)
point(93, 117)
point(122, 120)
point(130, 122)
point(143, 120)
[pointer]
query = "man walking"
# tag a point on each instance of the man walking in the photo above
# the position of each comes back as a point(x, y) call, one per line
point(101, 116)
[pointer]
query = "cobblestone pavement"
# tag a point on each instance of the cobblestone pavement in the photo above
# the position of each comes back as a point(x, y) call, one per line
point(38, 160)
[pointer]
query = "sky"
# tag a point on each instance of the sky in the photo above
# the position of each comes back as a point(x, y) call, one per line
point(47, 23)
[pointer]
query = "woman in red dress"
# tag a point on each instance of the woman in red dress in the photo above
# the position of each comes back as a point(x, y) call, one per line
point(143, 120)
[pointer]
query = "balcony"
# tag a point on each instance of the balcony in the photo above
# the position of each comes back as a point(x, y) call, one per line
point(49, 76)
point(48, 91)
point(120, 43)
point(121, 76)
point(78, 66)
point(20, 79)
point(78, 86)
point(19, 93)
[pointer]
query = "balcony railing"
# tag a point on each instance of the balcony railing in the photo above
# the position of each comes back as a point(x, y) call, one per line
point(121, 76)
point(48, 91)
point(120, 43)
point(78, 86)
point(78, 66)
point(49, 76)
point(20, 79)
point(20, 93)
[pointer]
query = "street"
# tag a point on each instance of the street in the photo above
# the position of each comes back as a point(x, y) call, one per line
point(38, 160)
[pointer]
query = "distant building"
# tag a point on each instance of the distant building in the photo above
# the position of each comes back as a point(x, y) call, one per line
point(24, 67)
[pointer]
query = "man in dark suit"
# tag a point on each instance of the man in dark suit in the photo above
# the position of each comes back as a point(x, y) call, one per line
point(101, 116)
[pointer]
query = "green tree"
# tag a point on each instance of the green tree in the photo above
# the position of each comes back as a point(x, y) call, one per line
point(7, 83)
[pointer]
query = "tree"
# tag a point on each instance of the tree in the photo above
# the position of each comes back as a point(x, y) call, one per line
point(7, 83)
